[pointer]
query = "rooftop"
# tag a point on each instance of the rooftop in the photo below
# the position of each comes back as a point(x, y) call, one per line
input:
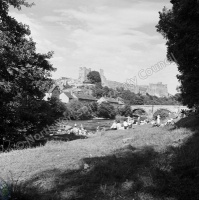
point(52, 88)
point(85, 97)
point(69, 95)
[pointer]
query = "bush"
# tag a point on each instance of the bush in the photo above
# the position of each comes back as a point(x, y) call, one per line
point(78, 111)
point(125, 111)
point(93, 108)
point(33, 118)
point(84, 113)
point(106, 110)
point(163, 114)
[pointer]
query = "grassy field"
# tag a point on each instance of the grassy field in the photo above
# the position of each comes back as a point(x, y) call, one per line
point(143, 163)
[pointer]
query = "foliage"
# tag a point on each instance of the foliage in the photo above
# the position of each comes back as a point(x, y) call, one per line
point(125, 111)
point(106, 110)
point(93, 107)
point(134, 99)
point(49, 111)
point(163, 114)
point(24, 75)
point(94, 77)
point(178, 97)
point(131, 98)
point(79, 111)
point(84, 113)
point(179, 26)
point(153, 100)
point(97, 91)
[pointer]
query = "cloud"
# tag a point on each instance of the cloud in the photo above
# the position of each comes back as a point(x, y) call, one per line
point(107, 37)
point(118, 36)
point(35, 27)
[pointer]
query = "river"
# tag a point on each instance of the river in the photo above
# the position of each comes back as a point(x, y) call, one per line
point(91, 125)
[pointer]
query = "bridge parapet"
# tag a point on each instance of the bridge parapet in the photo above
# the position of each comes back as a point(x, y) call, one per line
point(151, 109)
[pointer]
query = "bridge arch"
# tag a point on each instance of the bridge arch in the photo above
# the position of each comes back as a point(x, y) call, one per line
point(139, 111)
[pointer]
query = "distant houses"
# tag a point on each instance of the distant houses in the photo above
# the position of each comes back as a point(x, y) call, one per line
point(114, 102)
point(77, 94)
point(53, 92)
point(66, 97)
point(85, 98)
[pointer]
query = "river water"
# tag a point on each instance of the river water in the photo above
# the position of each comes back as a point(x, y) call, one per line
point(91, 125)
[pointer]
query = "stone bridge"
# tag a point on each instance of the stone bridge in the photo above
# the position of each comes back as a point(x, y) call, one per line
point(151, 109)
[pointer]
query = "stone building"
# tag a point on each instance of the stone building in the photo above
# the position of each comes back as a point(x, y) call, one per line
point(159, 89)
point(83, 72)
point(53, 92)
point(82, 84)
point(115, 84)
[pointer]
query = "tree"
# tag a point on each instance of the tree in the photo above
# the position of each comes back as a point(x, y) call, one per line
point(106, 110)
point(164, 114)
point(126, 111)
point(97, 91)
point(179, 26)
point(94, 77)
point(131, 98)
point(177, 97)
point(77, 110)
point(24, 74)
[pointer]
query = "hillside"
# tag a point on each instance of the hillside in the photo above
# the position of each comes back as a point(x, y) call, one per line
point(151, 165)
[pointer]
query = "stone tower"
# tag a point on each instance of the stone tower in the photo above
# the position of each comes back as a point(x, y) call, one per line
point(158, 89)
point(103, 78)
point(83, 72)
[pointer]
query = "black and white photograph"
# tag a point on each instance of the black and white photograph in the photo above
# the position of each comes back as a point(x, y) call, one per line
point(99, 99)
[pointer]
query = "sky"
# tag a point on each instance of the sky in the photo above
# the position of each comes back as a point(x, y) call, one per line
point(118, 36)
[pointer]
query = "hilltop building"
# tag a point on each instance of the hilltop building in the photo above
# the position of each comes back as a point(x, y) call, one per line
point(83, 85)
point(159, 90)
point(83, 72)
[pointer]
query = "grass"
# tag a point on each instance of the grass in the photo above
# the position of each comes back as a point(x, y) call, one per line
point(155, 163)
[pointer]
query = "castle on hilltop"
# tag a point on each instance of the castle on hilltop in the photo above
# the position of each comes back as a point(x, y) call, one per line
point(159, 89)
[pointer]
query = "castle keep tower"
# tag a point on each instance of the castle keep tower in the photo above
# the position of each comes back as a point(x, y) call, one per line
point(103, 78)
point(83, 72)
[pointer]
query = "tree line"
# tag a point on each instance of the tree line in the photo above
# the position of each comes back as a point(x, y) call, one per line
point(128, 96)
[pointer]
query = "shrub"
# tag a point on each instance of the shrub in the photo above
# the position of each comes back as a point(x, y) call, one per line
point(84, 113)
point(163, 114)
point(125, 111)
point(33, 119)
point(106, 110)
point(77, 110)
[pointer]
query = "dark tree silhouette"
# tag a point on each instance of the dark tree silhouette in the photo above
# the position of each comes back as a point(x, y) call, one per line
point(179, 26)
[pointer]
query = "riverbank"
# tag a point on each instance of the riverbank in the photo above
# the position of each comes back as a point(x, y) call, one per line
point(140, 163)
